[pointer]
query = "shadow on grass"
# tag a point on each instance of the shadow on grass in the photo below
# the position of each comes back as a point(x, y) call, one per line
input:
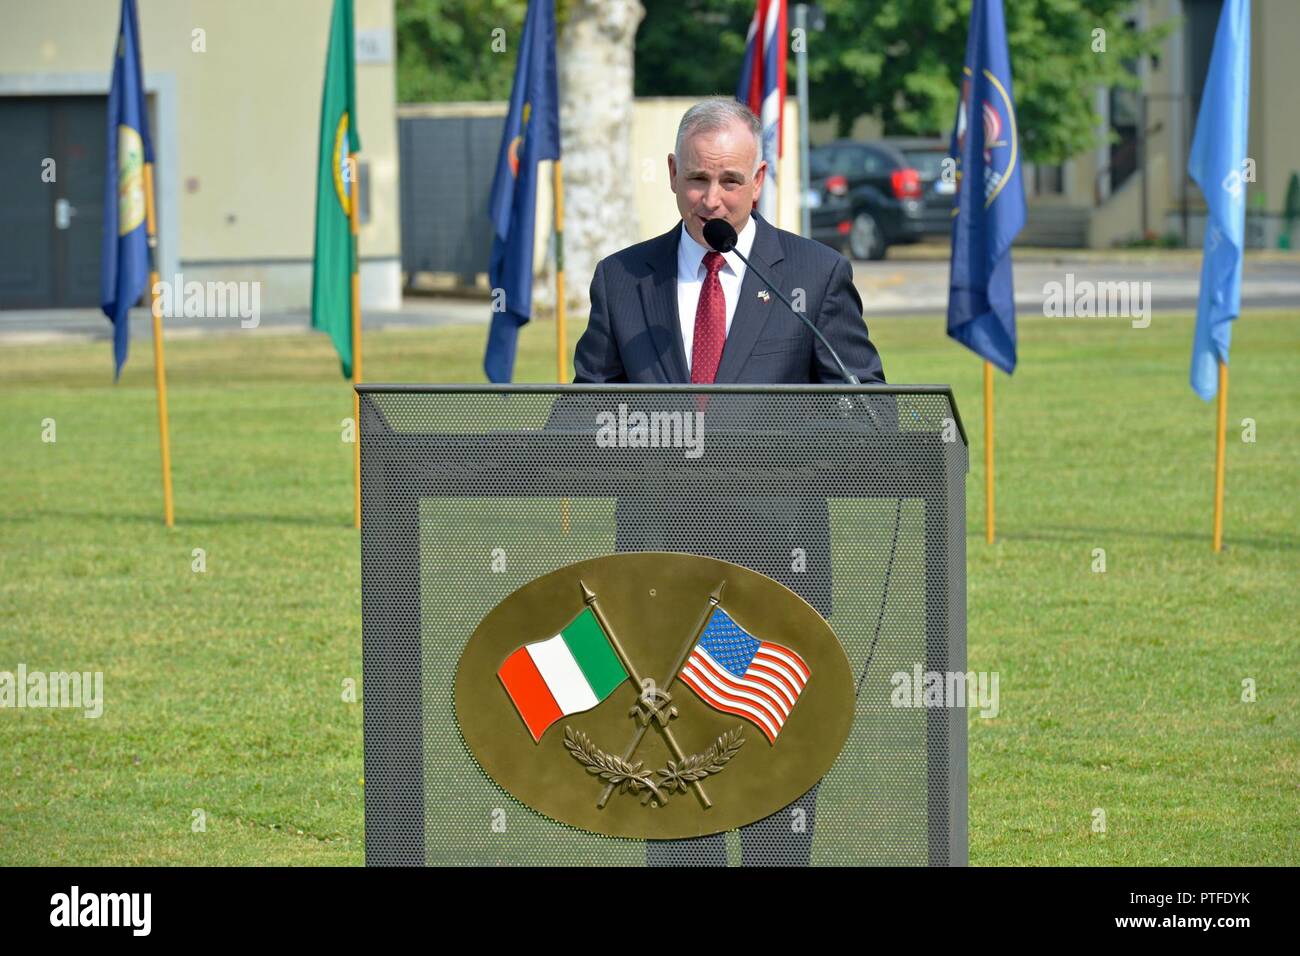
point(1088, 535)
point(1042, 533)
point(185, 521)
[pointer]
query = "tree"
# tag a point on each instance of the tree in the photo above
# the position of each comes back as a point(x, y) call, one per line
point(595, 62)
point(448, 50)
point(445, 49)
point(692, 47)
point(901, 60)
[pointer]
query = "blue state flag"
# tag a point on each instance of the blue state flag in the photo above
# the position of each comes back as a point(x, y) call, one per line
point(531, 134)
point(1217, 163)
point(124, 265)
point(990, 205)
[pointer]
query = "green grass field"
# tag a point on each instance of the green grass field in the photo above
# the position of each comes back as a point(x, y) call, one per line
point(1120, 691)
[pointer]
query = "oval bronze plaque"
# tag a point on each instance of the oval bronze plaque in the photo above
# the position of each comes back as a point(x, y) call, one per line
point(654, 695)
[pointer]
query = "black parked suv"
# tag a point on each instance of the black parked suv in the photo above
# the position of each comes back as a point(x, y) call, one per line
point(866, 197)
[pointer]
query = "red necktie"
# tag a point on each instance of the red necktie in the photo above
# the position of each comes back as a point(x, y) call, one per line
point(710, 324)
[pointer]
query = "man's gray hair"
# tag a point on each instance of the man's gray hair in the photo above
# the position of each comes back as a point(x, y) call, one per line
point(718, 113)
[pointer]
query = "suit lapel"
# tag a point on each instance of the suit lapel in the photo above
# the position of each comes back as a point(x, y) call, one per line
point(659, 303)
point(751, 311)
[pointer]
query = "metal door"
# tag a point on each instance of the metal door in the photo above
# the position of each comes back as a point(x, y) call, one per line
point(51, 228)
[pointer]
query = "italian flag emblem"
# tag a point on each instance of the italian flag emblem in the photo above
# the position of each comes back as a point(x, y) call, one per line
point(571, 672)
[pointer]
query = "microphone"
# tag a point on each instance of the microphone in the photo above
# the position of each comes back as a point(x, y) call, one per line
point(719, 234)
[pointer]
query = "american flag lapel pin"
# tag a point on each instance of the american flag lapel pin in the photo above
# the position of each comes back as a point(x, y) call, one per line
point(764, 295)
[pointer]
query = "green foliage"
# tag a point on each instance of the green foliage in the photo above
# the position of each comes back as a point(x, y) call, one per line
point(901, 60)
point(691, 47)
point(1168, 240)
point(445, 49)
point(897, 59)
point(1292, 205)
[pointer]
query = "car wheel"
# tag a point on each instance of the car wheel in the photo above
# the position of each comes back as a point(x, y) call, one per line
point(865, 238)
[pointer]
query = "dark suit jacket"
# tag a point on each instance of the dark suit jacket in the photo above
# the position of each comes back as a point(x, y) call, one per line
point(634, 334)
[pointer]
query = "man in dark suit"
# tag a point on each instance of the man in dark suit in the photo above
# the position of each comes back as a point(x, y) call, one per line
point(716, 321)
point(671, 310)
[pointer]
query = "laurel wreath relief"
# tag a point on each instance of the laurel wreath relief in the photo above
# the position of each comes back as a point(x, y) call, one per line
point(634, 778)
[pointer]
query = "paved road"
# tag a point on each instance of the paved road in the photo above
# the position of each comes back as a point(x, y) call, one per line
point(891, 287)
point(51, 325)
point(911, 287)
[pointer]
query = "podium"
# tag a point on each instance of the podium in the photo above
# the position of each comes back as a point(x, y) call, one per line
point(852, 497)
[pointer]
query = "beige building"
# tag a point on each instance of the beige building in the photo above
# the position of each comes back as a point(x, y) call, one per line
point(1137, 185)
point(234, 93)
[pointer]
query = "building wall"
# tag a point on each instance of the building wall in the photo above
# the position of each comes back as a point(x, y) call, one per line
point(866, 126)
point(237, 127)
point(1274, 140)
point(1275, 114)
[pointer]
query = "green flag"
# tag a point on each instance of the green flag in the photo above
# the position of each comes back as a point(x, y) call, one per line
point(334, 255)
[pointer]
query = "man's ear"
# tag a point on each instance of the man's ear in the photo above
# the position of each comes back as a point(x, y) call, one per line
point(672, 172)
point(759, 176)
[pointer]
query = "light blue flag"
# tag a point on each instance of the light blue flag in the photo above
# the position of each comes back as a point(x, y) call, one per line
point(1217, 164)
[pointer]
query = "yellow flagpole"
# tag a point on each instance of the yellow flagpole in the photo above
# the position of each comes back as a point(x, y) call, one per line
point(354, 195)
point(988, 451)
point(159, 364)
point(1218, 456)
point(561, 349)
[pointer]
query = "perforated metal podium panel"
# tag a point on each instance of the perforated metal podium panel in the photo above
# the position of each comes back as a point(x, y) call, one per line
point(852, 497)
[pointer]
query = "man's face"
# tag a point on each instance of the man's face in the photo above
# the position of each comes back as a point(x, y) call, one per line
point(714, 178)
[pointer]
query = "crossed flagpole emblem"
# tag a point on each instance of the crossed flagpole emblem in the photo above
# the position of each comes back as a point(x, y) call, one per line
point(653, 708)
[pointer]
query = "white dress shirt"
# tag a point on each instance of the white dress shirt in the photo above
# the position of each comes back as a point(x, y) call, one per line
point(690, 280)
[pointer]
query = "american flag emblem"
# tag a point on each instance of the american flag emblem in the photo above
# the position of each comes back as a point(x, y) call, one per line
point(734, 672)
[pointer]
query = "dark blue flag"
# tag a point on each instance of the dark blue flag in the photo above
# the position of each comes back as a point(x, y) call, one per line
point(990, 207)
point(531, 134)
point(124, 266)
